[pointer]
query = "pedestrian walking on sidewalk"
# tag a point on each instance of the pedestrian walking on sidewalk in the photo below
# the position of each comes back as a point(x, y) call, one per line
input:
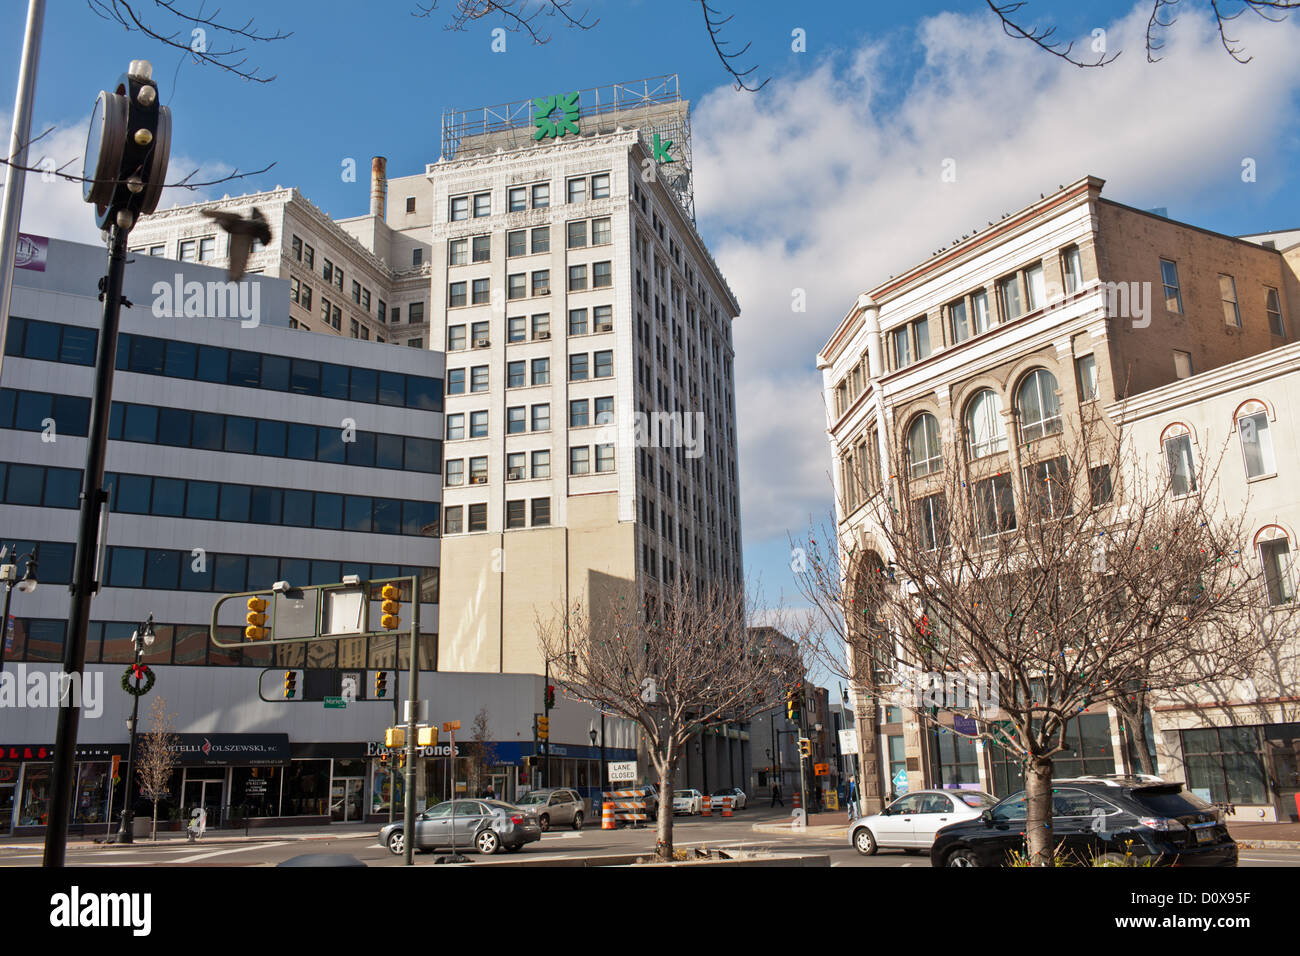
point(776, 794)
point(851, 798)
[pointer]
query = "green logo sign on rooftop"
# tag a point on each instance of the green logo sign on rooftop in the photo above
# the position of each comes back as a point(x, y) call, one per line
point(544, 108)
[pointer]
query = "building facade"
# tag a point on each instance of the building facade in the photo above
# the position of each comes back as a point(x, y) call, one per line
point(988, 350)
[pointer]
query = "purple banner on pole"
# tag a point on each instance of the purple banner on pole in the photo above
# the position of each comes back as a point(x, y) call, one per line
point(31, 252)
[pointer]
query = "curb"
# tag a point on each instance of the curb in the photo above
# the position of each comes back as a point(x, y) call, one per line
point(1269, 844)
point(828, 831)
point(206, 841)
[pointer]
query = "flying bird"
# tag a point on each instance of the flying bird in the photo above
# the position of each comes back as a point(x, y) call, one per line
point(242, 232)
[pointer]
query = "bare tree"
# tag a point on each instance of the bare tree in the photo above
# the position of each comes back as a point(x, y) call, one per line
point(1163, 16)
point(480, 755)
point(1021, 599)
point(674, 662)
point(157, 761)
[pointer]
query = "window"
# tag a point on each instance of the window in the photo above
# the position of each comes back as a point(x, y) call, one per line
point(578, 367)
point(308, 256)
point(602, 277)
point(516, 329)
point(478, 424)
point(1173, 291)
point(414, 313)
point(517, 199)
point(1072, 269)
point(542, 418)
point(541, 512)
point(478, 381)
point(580, 460)
point(980, 307)
point(1100, 488)
point(541, 239)
point(455, 471)
point(417, 256)
point(482, 293)
point(1182, 467)
point(453, 519)
point(478, 470)
point(1182, 364)
point(1275, 556)
point(1035, 287)
point(541, 464)
point(1273, 305)
point(455, 381)
point(577, 234)
point(985, 429)
point(515, 514)
point(604, 410)
point(482, 206)
point(208, 251)
point(577, 278)
point(1256, 444)
point(455, 426)
point(577, 190)
point(516, 243)
point(542, 326)
point(1047, 484)
point(1038, 406)
point(478, 517)
point(1085, 370)
point(482, 249)
point(187, 250)
point(1228, 293)
point(456, 294)
point(1228, 763)
point(601, 232)
point(410, 204)
point(604, 364)
point(931, 522)
point(541, 371)
point(579, 413)
point(356, 291)
point(604, 458)
point(600, 186)
point(516, 423)
point(455, 337)
point(577, 321)
point(602, 318)
point(995, 508)
point(541, 195)
point(517, 286)
point(1009, 298)
point(923, 448)
point(902, 347)
point(327, 270)
point(542, 282)
point(957, 322)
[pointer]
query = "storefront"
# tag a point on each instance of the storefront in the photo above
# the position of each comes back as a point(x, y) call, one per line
point(26, 782)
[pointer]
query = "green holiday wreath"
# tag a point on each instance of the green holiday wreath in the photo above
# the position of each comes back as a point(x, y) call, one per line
point(138, 671)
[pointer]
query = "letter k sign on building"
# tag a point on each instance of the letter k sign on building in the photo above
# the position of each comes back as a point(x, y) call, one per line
point(545, 106)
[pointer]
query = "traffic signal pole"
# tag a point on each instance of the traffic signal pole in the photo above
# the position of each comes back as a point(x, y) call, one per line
point(413, 707)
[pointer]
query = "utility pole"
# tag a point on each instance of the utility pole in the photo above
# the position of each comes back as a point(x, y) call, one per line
point(412, 718)
point(16, 177)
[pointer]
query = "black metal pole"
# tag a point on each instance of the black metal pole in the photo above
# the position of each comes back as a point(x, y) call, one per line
point(125, 832)
point(603, 769)
point(412, 717)
point(4, 637)
point(546, 712)
point(92, 496)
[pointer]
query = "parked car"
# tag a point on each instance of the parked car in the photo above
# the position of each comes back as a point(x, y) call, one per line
point(555, 806)
point(1105, 818)
point(483, 825)
point(688, 801)
point(911, 821)
point(738, 798)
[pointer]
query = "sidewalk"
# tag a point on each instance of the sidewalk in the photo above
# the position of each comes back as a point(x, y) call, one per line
point(833, 824)
point(1267, 836)
point(260, 835)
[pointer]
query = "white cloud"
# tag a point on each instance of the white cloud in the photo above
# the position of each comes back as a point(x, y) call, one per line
point(813, 185)
point(52, 206)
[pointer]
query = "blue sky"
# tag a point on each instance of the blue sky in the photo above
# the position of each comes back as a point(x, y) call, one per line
point(825, 181)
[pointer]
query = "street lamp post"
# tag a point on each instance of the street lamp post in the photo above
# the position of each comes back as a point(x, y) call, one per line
point(9, 571)
point(141, 638)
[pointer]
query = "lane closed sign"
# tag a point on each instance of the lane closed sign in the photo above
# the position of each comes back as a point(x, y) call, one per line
point(622, 771)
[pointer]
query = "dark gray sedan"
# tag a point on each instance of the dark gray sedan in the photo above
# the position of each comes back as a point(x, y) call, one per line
point(487, 826)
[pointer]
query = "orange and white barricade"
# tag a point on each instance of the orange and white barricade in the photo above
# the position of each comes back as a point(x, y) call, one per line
point(726, 805)
point(607, 821)
point(706, 806)
point(629, 806)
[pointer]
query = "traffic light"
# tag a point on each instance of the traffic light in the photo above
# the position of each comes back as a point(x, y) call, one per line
point(381, 683)
point(257, 629)
point(550, 696)
point(392, 610)
point(290, 684)
point(792, 701)
point(383, 760)
point(426, 736)
point(543, 728)
point(805, 747)
point(395, 738)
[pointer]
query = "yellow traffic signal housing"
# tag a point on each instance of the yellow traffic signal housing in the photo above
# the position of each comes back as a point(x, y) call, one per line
point(543, 728)
point(290, 684)
point(256, 618)
point(391, 619)
point(395, 737)
point(426, 736)
point(805, 747)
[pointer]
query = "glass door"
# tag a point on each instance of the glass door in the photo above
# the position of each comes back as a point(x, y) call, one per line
point(345, 798)
point(205, 794)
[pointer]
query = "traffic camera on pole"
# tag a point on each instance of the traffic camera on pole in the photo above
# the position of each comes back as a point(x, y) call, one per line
point(256, 619)
point(391, 608)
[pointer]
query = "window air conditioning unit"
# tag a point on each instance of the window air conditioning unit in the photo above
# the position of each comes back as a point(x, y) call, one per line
point(478, 479)
point(543, 335)
point(481, 343)
point(516, 474)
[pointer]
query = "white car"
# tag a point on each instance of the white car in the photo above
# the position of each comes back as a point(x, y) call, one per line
point(911, 821)
point(738, 798)
point(688, 801)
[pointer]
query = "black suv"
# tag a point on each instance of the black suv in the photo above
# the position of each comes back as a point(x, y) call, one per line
point(1112, 818)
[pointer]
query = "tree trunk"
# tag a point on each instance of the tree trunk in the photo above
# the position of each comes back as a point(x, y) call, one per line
point(664, 835)
point(1135, 735)
point(1039, 840)
point(154, 836)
